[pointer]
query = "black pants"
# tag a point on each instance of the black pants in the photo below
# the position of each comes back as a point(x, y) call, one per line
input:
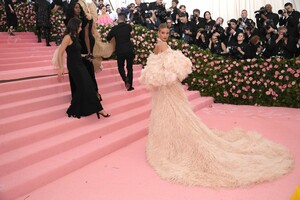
point(129, 62)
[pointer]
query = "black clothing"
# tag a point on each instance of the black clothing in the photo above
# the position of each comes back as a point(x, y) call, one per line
point(122, 34)
point(181, 30)
point(161, 12)
point(291, 23)
point(43, 11)
point(11, 17)
point(84, 101)
point(273, 21)
point(231, 39)
point(175, 11)
point(124, 50)
point(89, 65)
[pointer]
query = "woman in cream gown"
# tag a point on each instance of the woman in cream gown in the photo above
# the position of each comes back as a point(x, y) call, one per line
point(182, 149)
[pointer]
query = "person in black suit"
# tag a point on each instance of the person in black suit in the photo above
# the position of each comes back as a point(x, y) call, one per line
point(124, 49)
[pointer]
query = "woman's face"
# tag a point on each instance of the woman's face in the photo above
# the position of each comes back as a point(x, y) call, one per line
point(79, 28)
point(163, 34)
point(207, 15)
point(103, 10)
point(77, 9)
point(240, 37)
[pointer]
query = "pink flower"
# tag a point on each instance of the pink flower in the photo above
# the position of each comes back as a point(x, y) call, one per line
point(268, 92)
point(244, 96)
point(278, 59)
point(280, 77)
point(296, 75)
point(225, 94)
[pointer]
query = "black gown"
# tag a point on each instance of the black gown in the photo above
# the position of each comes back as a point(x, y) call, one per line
point(84, 99)
point(89, 65)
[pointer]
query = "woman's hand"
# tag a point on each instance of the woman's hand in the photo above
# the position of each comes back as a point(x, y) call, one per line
point(60, 73)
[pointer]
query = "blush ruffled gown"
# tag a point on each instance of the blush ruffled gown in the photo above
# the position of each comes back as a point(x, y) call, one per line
point(183, 149)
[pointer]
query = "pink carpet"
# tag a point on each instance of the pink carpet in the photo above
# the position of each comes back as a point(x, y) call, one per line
point(45, 155)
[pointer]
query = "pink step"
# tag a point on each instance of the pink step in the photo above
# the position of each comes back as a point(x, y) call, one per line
point(105, 84)
point(40, 173)
point(6, 63)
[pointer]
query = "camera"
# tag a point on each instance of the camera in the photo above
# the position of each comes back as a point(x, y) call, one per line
point(249, 24)
point(161, 12)
point(148, 14)
point(281, 11)
point(261, 11)
point(232, 50)
point(219, 29)
point(286, 34)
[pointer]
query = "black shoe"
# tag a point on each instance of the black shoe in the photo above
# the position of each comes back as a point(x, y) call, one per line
point(98, 115)
point(130, 88)
point(48, 44)
point(127, 85)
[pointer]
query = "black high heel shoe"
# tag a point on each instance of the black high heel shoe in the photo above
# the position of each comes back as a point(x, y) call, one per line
point(98, 115)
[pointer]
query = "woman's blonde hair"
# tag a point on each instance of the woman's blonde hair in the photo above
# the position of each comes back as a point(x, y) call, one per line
point(162, 26)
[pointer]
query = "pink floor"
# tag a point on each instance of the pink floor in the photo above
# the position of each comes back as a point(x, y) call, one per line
point(44, 155)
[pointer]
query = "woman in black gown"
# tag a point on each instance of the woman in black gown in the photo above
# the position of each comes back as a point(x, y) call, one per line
point(86, 37)
point(84, 100)
point(11, 16)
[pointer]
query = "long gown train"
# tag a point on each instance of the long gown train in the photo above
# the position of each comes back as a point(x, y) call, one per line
point(183, 149)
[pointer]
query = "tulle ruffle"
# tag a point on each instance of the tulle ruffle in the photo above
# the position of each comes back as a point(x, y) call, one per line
point(165, 68)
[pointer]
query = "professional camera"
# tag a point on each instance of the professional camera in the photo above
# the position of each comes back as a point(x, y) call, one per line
point(148, 14)
point(281, 11)
point(219, 29)
point(286, 34)
point(249, 24)
point(161, 12)
point(261, 11)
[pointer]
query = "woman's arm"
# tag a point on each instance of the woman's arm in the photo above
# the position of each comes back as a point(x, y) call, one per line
point(87, 38)
point(64, 44)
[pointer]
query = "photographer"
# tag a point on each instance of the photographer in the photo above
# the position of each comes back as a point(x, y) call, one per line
point(152, 22)
point(217, 28)
point(160, 10)
point(195, 18)
point(186, 29)
point(243, 20)
point(137, 17)
point(289, 18)
point(173, 11)
point(171, 25)
point(201, 39)
point(284, 43)
point(231, 33)
point(216, 46)
point(256, 48)
point(265, 17)
point(250, 30)
point(241, 49)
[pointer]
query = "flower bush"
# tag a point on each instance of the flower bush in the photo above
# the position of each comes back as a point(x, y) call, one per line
point(268, 82)
point(3, 26)
point(58, 25)
point(26, 17)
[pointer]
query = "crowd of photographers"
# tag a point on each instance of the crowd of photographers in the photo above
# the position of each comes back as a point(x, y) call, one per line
point(270, 34)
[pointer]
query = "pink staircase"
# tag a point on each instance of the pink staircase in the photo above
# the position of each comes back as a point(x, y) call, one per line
point(38, 142)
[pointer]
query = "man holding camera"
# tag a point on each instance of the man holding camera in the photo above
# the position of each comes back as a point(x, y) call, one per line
point(290, 19)
point(159, 7)
point(186, 29)
point(266, 18)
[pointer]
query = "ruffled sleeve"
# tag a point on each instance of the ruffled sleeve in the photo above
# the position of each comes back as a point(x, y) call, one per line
point(165, 69)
